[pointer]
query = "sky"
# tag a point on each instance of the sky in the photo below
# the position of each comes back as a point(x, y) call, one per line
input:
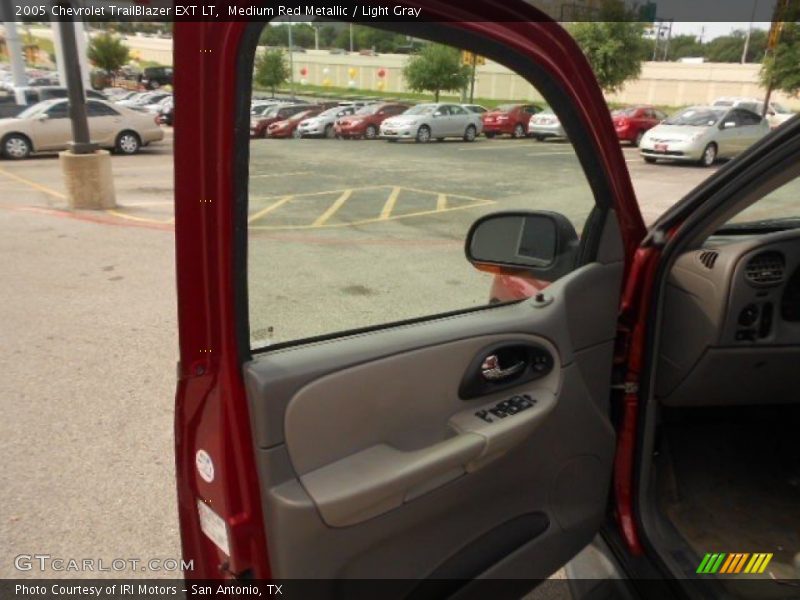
point(711, 30)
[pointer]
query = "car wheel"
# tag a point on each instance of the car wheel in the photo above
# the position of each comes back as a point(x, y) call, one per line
point(297, 134)
point(424, 134)
point(128, 142)
point(329, 132)
point(489, 135)
point(649, 159)
point(638, 139)
point(709, 155)
point(539, 138)
point(16, 147)
point(371, 132)
point(519, 131)
point(470, 134)
point(391, 140)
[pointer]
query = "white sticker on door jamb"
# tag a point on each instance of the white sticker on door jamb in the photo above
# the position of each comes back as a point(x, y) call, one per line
point(213, 526)
point(205, 466)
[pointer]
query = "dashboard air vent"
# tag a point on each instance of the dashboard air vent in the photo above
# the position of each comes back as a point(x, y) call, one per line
point(765, 269)
point(708, 258)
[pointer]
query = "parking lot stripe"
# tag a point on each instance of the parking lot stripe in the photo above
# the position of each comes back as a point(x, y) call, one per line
point(550, 154)
point(122, 215)
point(265, 176)
point(338, 203)
point(34, 185)
point(388, 207)
point(268, 209)
point(441, 202)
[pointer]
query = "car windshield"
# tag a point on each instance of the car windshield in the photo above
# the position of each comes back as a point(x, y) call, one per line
point(723, 103)
point(422, 109)
point(34, 111)
point(780, 109)
point(302, 115)
point(696, 117)
point(332, 112)
point(370, 109)
point(624, 112)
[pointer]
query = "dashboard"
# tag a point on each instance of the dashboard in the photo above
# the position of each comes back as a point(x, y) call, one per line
point(730, 332)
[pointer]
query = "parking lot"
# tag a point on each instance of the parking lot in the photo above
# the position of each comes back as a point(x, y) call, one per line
point(342, 234)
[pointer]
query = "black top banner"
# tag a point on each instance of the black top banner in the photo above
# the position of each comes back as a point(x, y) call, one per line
point(366, 11)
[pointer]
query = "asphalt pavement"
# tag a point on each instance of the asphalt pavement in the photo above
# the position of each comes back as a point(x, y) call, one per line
point(343, 234)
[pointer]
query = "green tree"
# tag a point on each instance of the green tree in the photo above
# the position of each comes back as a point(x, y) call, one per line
point(729, 48)
point(614, 46)
point(271, 69)
point(278, 35)
point(780, 67)
point(436, 68)
point(615, 50)
point(683, 46)
point(106, 51)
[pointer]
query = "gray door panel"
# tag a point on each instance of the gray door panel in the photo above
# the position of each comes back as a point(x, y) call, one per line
point(371, 465)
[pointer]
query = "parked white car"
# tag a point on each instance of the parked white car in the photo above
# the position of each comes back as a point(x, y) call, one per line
point(702, 134)
point(433, 121)
point(776, 115)
point(46, 127)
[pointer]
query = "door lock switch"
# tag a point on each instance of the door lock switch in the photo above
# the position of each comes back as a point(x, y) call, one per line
point(507, 408)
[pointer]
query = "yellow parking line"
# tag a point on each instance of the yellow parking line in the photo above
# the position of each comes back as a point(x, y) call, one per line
point(441, 202)
point(122, 215)
point(390, 202)
point(374, 219)
point(268, 209)
point(324, 192)
point(429, 193)
point(322, 219)
point(34, 185)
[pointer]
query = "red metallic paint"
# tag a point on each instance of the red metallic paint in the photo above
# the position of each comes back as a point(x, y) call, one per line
point(211, 408)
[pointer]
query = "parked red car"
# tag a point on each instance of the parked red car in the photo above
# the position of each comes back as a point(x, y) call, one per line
point(366, 122)
point(288, 127)
point(279, 112)
point(509, 119)
point(632, 122)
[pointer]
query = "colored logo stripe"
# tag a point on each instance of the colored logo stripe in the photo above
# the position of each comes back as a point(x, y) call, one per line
point(720, 562)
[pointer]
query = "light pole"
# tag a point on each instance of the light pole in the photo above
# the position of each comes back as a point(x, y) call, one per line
point(291, 61)
point(81, 143)
point(749, 32)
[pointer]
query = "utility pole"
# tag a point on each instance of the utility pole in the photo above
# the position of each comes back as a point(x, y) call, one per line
point(351, 37)
point(472, 78)
point(86, 168)
point(749, 33)
point(81, 143)
point(772, 47)
point(14, 46)
point(291, 60)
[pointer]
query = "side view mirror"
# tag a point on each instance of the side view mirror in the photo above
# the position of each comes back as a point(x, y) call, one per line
point(728, 124)
point(437, 114)
point(541, 242)
point(42, 117)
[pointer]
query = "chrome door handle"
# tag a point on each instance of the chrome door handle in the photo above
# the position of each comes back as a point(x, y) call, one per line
point(491, 371)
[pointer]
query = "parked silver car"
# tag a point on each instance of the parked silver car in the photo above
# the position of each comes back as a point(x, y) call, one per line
point(433, 121)
point(702, 134)
point(545, 125)
point(322, 124)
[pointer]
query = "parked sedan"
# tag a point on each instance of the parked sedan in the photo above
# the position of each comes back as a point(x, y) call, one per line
point(509, 119)
point(279, 112)
point(544, 125)
point(438, 121)
point(145, 99)
point(289, 127)
point(46, 127)
point(322, 125)
point(633, 122)
point(702, 134)
point(366, 122)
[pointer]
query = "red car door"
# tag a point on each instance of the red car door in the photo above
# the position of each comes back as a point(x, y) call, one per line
point(363, 456)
